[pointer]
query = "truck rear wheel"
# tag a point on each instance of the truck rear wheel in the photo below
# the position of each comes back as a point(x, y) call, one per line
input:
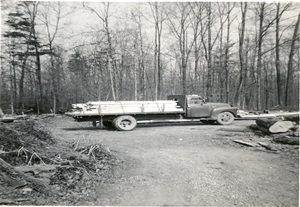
point(225, 118)
point(124, 123)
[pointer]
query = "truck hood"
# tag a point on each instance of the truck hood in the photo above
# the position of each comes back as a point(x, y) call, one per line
point(218, 104)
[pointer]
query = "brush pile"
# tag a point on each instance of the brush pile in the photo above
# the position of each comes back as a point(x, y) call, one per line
point(36, 170)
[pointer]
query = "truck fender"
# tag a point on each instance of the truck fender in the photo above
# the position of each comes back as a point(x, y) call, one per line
point(219, 110)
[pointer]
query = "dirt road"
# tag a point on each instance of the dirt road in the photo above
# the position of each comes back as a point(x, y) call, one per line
point(190, 165)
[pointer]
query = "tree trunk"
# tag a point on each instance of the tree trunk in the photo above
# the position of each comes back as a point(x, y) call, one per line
point(259, 58)
point(209, 57)
point(143, 82)
point(290, 71)
point(239, 96)
point(267, 86)
point(112, 69)
point(12, 108)
point(14, 83)
point(156, 54)
point(183, 61)
point(159, 72)
point(21, 84)
point(39, 78)
point(135, 79)
point(226, 67)
point(277, 55)
point(221, 86)
point(196, 54)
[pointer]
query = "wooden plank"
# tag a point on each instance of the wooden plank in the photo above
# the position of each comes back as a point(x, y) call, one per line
point(248, 144)
point(267, 146)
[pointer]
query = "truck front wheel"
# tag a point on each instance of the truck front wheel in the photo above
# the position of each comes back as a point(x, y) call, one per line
point(225, 118)
point(124, 123)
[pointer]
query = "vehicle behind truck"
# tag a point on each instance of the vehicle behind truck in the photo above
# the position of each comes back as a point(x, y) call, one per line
point(123, 115)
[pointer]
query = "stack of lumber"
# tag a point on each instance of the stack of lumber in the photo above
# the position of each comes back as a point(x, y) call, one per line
point(124, 107)
point(284, 130)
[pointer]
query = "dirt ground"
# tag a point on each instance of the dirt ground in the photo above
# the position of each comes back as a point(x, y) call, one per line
point(196, 164)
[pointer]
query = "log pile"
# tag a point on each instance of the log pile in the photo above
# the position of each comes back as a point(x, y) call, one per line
point(283, 129)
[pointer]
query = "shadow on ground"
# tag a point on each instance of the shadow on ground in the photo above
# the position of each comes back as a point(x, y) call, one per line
point(142, 125)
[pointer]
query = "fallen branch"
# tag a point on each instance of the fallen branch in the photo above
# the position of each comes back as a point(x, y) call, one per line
point(248, 144)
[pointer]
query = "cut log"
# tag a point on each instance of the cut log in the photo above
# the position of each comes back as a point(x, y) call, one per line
point(281, 127)
point(286, 140)
point(274, 125)
point(267, 123)
point(264, 130)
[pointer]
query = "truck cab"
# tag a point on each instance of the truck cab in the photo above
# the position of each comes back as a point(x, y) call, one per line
point(195, 106)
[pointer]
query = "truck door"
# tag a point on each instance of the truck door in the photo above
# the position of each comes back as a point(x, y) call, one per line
point(197, 108)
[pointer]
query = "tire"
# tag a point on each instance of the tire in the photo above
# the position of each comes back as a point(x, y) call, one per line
point(225, 118)
point(208, 121)
point(124, 123)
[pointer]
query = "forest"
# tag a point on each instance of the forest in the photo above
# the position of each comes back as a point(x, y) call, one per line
point(54, 54)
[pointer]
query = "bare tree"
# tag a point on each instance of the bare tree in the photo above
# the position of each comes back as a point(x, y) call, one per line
point(157, 13)
point(242, 75)
point(279, 13)
point(263, 30)
point(290, 70)
point(51, 37)
point(197, 9)
point(32, 9)
point(227, 48)
point(179, 24)
point(103, 15)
